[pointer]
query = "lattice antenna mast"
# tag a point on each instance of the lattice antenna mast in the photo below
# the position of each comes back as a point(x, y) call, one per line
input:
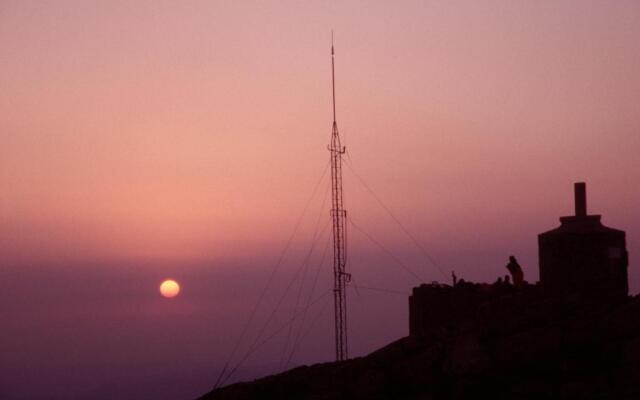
point(339, 217)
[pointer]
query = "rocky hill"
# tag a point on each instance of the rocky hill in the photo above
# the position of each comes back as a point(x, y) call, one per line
point(519, 346)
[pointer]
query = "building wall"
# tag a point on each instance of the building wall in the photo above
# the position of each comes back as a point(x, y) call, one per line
point(584, 262)
point(436, 305)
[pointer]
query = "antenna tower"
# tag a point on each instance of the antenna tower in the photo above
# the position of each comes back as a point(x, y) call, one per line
point(339, 217)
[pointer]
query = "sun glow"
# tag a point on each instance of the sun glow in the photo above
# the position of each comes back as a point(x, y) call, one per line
point(169, 288)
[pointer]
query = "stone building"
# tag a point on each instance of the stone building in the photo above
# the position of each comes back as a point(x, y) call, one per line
point(582, 255)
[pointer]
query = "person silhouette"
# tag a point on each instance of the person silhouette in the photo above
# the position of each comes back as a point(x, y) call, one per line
point(515, 270)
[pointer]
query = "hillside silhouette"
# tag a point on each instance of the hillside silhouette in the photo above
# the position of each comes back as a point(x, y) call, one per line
point(522, 345)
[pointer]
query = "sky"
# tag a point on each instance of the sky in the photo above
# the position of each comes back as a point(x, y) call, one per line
point(147, 140)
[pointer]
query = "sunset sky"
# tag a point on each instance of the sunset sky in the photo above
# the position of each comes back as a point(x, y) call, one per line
point(146, 140)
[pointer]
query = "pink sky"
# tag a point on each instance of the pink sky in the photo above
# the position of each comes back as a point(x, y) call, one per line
point(169, 138)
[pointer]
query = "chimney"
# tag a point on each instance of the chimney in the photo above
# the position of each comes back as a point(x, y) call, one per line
point(580, 190)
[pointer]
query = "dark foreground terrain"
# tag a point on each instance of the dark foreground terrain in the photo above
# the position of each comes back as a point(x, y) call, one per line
point(520, 346)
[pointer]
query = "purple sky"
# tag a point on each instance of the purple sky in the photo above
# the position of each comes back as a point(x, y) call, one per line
point(150, 139)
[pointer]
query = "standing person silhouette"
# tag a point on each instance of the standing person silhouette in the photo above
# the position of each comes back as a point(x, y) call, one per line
point(515, 270)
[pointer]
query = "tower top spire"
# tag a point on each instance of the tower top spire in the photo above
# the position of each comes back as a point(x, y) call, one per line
point(332, 42)
point(333, 80)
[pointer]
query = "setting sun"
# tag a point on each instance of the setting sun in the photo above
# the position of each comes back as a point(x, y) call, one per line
point(169, 288)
